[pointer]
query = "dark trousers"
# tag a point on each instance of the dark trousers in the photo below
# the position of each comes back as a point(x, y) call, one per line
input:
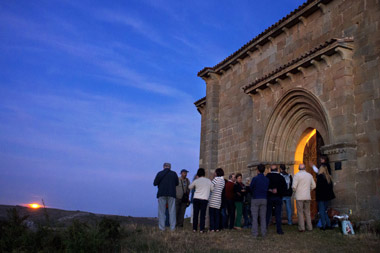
point(275, 202)
point(200, 206)
point(167, 224)
point(231, 213)
point(180, 210)
point(214, 218)
point(247, 215)
point(223, 218)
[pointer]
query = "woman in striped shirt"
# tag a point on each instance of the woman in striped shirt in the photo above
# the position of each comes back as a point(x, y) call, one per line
point(215, 200)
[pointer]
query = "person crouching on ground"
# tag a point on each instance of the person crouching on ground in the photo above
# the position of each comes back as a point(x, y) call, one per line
point(240, 191)
point(324, 193)
point(259, 190)
point(277, 188)
point(215, 201)
point(303, 184)
point(182, 200)
point(203, 187)
point(166, 181)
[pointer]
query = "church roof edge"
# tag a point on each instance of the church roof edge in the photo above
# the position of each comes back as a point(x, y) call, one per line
point(307, 8)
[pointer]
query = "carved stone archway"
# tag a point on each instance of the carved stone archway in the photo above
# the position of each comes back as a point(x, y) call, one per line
point(295, 112)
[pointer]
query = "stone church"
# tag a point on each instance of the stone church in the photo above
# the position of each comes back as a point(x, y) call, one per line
point(307, 86)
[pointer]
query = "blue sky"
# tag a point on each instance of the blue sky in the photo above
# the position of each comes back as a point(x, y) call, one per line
point(96, 95)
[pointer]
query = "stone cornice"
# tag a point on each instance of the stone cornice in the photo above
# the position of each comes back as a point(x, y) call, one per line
point(299, 64)
point(282, 26)
point(200, 104)
point(338, 148)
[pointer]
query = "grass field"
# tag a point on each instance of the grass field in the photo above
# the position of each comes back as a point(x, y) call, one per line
point(150, 239)
point(79, 233)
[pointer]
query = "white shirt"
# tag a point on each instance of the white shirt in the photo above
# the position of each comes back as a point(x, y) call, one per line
point(203, 187)
point(303, 183)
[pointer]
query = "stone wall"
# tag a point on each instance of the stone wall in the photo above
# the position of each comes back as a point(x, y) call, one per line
point(344, 82)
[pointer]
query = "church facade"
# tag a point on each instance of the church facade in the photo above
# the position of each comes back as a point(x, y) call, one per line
point(307, 86)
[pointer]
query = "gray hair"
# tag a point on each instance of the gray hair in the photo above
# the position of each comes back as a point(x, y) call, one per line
point(167, 165)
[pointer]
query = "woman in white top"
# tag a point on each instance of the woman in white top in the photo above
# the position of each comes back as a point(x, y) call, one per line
point(203, 187)
point(216, 199)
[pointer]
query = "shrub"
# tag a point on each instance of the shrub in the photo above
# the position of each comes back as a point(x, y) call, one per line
point(13, 231)
point(79, 237)
point(109, 234)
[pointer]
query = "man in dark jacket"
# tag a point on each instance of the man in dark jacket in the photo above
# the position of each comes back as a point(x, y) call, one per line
point(259, 192)
point(166, 180)
point(277, 188)
point(287, 197)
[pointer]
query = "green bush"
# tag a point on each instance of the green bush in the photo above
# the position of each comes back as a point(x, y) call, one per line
point(79, 237)
point(104, 236)
point(13, 232)
point(109, 234)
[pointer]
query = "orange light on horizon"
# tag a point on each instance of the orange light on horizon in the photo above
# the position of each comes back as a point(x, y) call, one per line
point(34, 205)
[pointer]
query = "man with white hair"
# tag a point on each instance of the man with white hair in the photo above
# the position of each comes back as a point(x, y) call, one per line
point(303, 184)
point(166, 181)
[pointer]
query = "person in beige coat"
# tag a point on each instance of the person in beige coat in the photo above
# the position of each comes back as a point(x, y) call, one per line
point(303, 184)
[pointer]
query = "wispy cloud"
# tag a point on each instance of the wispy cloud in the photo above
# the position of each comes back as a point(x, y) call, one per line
point(136, 24)
point(114, 66)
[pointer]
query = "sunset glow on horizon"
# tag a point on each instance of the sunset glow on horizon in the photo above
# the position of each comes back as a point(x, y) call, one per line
point(34, 205)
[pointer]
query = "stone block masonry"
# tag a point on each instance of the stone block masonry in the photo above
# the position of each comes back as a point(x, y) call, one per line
point(317, 68)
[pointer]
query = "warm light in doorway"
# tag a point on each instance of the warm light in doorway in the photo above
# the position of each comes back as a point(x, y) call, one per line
point(298, 157)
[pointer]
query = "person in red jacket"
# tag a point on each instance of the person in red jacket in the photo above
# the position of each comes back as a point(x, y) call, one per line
point(229, 192)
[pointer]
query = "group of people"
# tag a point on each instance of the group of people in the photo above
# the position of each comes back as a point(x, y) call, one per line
point(256, 200)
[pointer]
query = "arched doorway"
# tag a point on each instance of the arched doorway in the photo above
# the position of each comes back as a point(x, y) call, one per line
point(309, 151)
point(295, 115)
point(296, 129)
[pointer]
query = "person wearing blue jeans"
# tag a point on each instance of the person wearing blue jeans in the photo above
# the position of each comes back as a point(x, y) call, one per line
point(162, 201)
point(288, 204)
point(322, 209)
point(166, 181)
point(287, 197)
point(324, 193)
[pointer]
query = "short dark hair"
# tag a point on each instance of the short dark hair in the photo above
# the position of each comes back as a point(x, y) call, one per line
point(238, 175)
point(219, 172)
point(282, 167)
point(325, 158)
point(201, 172)
point(232, 174)
point(261, 168)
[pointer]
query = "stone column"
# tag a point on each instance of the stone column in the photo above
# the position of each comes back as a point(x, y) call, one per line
point(212, 123)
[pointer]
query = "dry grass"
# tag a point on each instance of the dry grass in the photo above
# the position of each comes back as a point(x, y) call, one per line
point(148, 239)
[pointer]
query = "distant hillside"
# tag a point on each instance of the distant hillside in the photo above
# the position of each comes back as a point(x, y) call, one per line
point(63, 218)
